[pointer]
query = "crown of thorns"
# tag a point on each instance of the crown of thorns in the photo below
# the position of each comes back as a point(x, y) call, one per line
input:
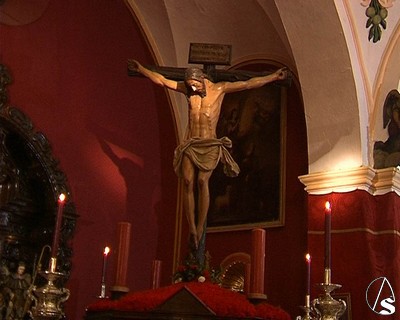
point(194, 74)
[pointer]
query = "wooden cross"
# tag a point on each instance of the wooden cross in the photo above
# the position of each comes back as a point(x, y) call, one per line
point(211, 55)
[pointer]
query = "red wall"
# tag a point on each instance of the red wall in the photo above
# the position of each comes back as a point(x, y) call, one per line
point(114, 137)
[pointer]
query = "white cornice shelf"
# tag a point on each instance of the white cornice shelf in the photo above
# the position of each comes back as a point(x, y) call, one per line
point(374, 181)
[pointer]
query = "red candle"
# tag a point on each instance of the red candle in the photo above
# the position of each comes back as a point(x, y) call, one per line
point(328, 217)
point(156, 274)
point(57, 228)
point(308, 261)
point(105, 255)
point(247, 273)
point(257, 262)
point(124, 234)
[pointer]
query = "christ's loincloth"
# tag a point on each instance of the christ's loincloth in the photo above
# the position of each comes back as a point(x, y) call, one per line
point(205, 154)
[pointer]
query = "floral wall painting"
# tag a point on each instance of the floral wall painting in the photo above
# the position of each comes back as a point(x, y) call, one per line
point(255, 122)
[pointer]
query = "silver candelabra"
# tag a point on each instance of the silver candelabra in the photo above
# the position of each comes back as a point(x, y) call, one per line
point(48, 299)
point(325, 307)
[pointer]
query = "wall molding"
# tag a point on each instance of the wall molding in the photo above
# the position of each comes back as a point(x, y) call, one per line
point(374, 181)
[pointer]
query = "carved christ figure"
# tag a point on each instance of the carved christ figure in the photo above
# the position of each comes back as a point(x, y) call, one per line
point(198, 155)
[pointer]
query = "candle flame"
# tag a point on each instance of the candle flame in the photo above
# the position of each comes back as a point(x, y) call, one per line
point(327, 205)
point(106, 251)
point(308, 257)
point(62, 197)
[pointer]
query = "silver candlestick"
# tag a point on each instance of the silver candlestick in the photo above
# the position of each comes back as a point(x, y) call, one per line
point(325, 306)
point(307, 310)
point(48, 298)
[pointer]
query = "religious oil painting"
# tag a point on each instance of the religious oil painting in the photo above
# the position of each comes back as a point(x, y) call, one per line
point(255, 121)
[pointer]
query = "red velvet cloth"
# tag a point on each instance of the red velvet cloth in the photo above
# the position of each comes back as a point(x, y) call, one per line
point(223, 302)
point(365, 245)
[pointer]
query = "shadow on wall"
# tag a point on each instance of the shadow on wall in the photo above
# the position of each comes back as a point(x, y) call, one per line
point(140, 208)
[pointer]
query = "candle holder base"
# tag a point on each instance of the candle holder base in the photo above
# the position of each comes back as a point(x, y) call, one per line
point(256, 298)
point(103, 292)
point(48, 298)
point(325, 306)
point(307, 315)
point(309, 312)
point(118, 292)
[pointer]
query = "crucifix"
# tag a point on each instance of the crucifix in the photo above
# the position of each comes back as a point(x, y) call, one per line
point(211, 55)
point(201, 151)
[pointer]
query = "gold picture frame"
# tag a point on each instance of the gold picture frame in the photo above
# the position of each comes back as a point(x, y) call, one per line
point(255, 121)
point(347, 299)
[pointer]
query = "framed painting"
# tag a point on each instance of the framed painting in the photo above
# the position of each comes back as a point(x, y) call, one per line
point(347, 299)
point(255, 121)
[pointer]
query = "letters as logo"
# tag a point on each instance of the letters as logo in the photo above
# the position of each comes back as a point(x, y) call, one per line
point(380, 296)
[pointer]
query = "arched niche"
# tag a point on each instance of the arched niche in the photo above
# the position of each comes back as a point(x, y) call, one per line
point(30, 184)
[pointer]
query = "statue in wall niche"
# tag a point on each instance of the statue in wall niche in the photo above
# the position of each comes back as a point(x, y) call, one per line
point(198, 155)
point(387, 154)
